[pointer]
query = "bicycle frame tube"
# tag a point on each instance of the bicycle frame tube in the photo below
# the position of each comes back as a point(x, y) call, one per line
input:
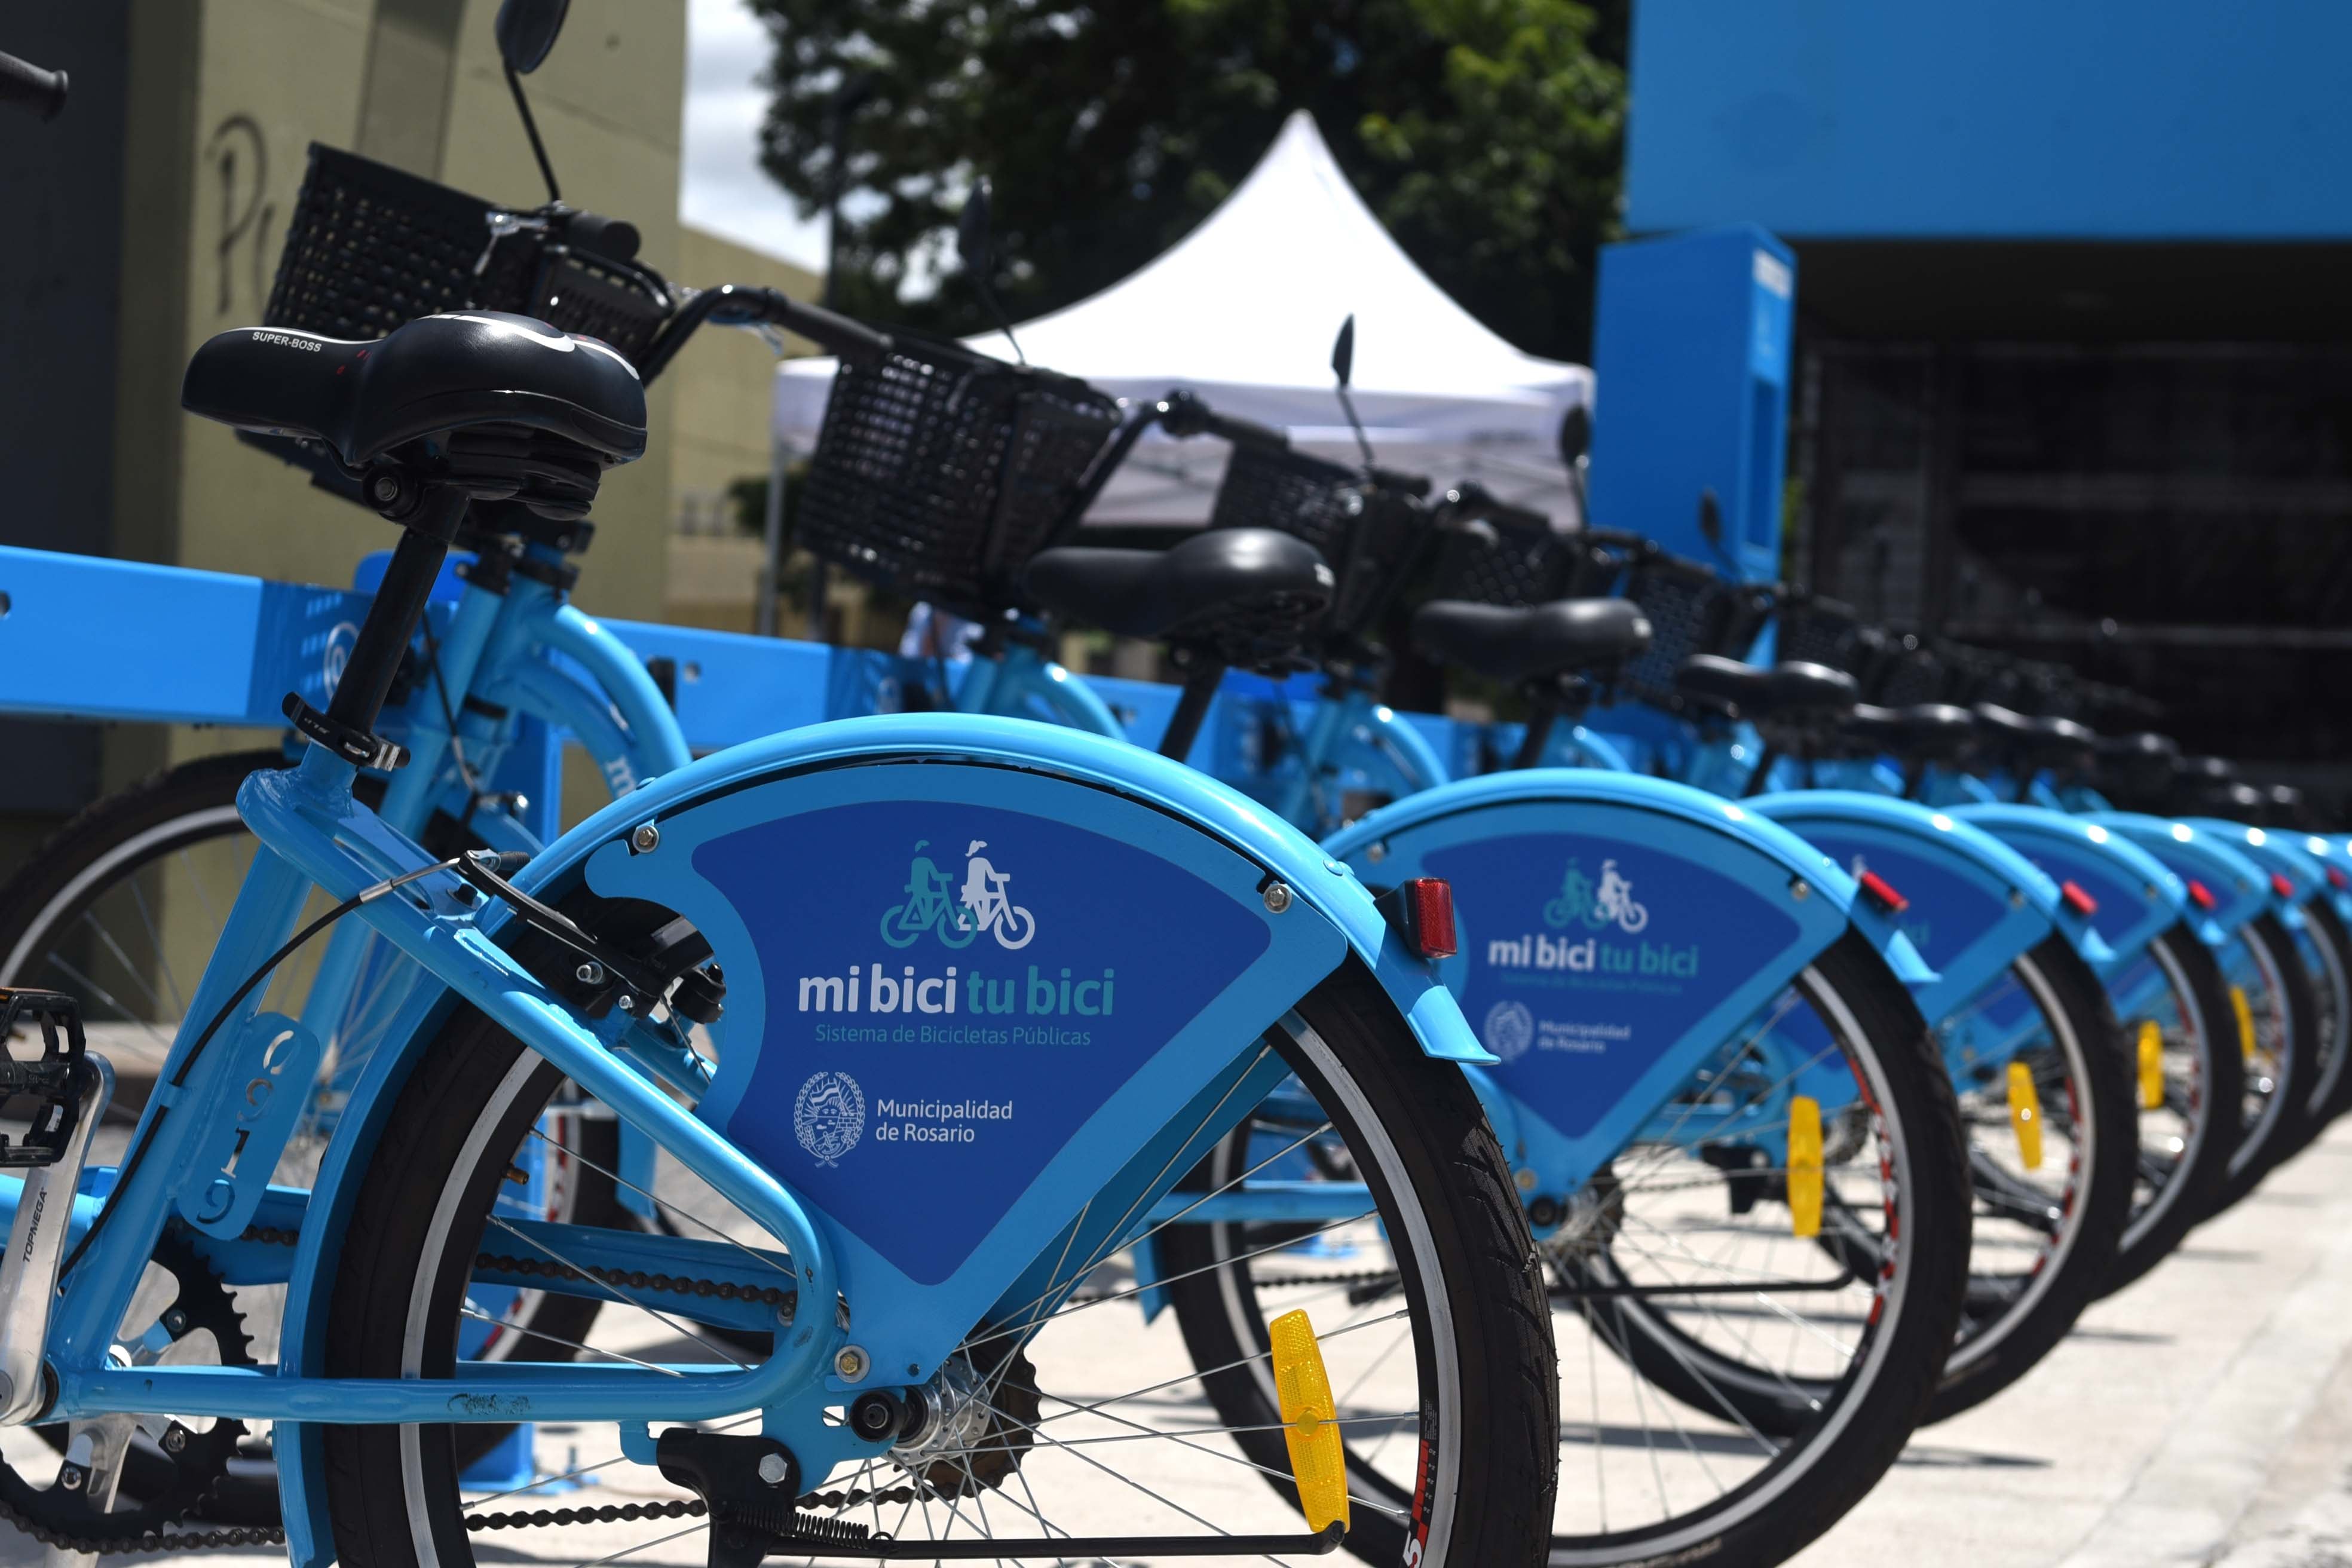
point(1355, 731)
point(312, 832)
point(497, 648)
point(1020, 681)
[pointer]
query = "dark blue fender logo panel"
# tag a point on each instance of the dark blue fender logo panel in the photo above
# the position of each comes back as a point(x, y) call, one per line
point(1584, 958)
point(952, 991)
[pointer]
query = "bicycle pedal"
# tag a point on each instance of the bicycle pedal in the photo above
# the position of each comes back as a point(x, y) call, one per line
point(54, 1079)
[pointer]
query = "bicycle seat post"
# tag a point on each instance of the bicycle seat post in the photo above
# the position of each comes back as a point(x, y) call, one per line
point(392, 619)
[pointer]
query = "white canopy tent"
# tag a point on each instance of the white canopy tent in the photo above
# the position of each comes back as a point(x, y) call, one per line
point(1243, 312)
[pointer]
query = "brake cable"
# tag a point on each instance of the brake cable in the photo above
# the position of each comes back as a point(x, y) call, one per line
point(146, 1139)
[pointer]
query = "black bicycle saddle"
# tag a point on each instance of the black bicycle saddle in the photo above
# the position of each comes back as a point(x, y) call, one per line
point(436, 374)
point(2138, 746)
point(1219, 574)
point(1531, 644)
point(2033, 737)
point(1931, 731)
point(1791, 690)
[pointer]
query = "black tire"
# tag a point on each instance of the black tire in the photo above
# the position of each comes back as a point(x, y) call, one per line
point(2186, 1144)
point(1838, 1451)
point(68, 884)
point(2285, 1012)
point(2086, 1084)
point(2014, 1309)
point(1470, 1269)
point(2326, 954)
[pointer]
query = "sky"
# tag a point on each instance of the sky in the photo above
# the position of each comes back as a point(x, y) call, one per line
point(722, 189)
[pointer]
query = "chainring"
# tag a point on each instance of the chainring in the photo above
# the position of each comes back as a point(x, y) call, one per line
point(162, 1481)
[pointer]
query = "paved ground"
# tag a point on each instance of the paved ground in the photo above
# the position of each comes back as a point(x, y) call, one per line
point(2204, 1416)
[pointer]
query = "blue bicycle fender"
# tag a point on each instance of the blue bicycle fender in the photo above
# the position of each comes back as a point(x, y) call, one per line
point(2226, 888)
point(1615, 932)
point(2295, 876)
point(2335, 865)
point(1182, 798)
point(1975, 903)
point(2137, 898)
point(1676, 801)
point(1223, 812)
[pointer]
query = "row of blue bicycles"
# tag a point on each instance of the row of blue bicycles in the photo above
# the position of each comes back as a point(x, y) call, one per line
point(966, 1133)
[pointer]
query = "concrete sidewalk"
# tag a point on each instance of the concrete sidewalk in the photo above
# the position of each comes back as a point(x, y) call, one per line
point(2203, 1416)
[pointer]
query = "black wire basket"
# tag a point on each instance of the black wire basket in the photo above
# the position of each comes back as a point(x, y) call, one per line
point(1817, 630)
point(371, 247)
point(1691, 610)
point(1303, 495)
point(1508, 557)
point(939, 473)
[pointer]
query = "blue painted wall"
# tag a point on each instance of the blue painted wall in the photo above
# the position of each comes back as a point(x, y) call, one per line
point(1994, 118)
point(1690, 359)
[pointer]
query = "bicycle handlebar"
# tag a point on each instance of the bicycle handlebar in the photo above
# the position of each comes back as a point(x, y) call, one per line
point(24, 83)
point(1180, 414)
point(738, 305)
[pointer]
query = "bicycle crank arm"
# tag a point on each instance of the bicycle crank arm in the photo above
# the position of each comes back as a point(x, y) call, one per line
point(1058, 1548)
point(28, 1275)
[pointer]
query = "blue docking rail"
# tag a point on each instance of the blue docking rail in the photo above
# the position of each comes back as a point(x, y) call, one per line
point(101, 640)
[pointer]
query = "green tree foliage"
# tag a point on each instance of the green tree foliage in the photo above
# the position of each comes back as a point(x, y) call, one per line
point(1487, 134)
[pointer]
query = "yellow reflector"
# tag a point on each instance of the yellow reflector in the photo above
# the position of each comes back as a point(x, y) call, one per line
point(2245, 1020)
point(2026, 1115)
point(1804, 1165)
point(1310, 1422)
point(2152, 1066)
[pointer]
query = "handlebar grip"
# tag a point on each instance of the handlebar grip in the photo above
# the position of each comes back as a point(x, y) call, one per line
point(23, 83)
point(1245, 432)
point(599, 236)
point(837, 333)
point(1416, 485)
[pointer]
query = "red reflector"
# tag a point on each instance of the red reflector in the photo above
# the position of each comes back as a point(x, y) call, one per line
point(2280, 885)
point(2201, 894)
point(1431, 900)
point(1882, 893)
point(2338, 879)
point(2081, 902)
point(1421, 910)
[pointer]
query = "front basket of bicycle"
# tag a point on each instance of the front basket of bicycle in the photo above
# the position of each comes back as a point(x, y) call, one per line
point(1691, 609)
point(1508, 557)
point(371, 248)
point(939, 473)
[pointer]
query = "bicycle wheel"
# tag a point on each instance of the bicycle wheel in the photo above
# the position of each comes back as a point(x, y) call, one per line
point(2324, 949)
point(1661, 1458)
point(1089, 1424)
point(119, 909)
point(2277, 1029)
point(2048, 1218)
point(2188, 1136)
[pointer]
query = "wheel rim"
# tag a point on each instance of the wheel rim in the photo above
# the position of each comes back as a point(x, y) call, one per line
point(1149, 1407)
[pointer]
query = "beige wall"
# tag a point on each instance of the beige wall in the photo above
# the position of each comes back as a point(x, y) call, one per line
point(226, 97)
point(235, 91)
point(724, 381)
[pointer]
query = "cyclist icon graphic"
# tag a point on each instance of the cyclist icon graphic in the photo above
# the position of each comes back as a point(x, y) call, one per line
point(934, 903)
point(1597, 907)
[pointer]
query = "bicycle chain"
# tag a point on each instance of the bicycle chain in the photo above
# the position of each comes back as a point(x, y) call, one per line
point(609, 1513)
point(193, 1540)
